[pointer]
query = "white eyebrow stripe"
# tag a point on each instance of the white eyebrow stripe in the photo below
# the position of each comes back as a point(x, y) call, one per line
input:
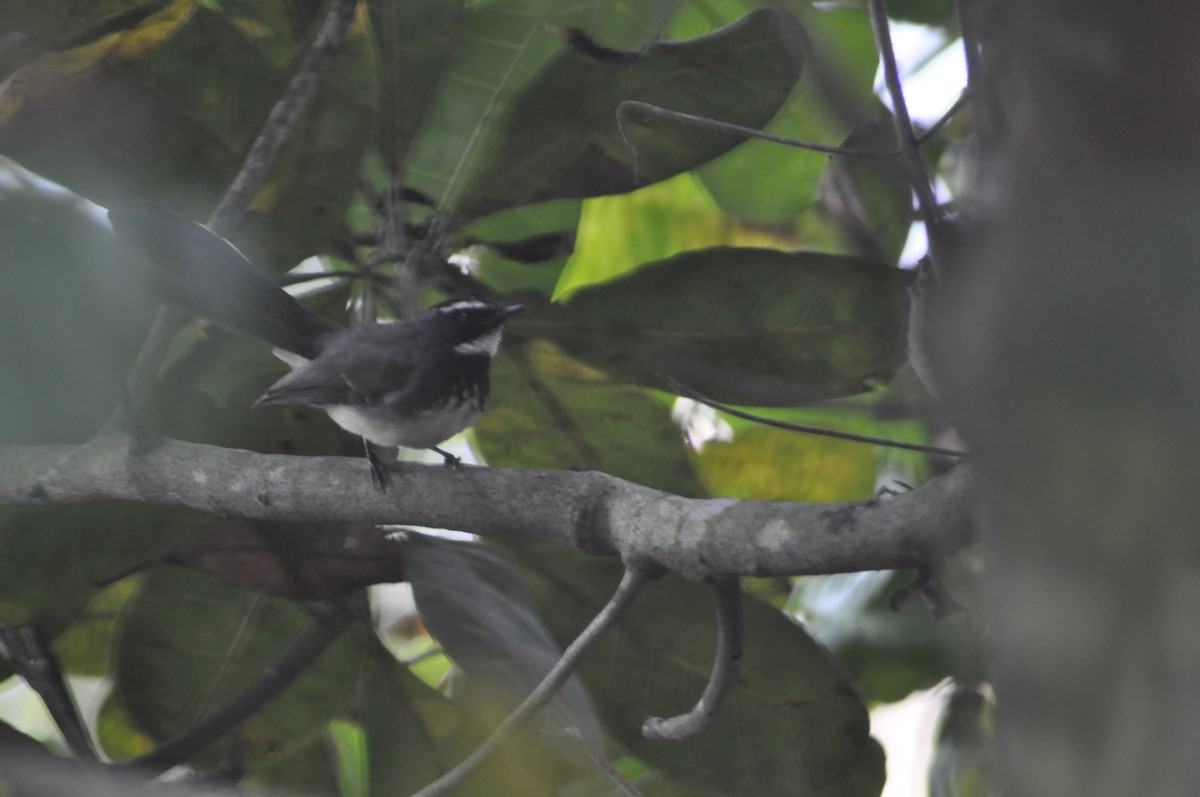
point(464, 304)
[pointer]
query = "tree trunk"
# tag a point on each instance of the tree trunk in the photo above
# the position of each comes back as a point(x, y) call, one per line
point(1066, 345)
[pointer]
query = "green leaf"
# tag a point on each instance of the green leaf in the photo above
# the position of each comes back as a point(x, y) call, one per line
point(188, 105)
point(560, 137)
point(525, 248)
point(777, 465)
point(187, 643)
point(549, 411)
point(792, 726)
point(416, 41)
point(501, 46)
point(624, 232)
point(116, 734)
point(924, 12)
point(83, 649)
point(869, 199)
point(766, 183)
point(309, 770)
point(743, 326)
point(475, 605)
point(613, 24)
point(863, 777)
point(414, 734)
point(52, 559)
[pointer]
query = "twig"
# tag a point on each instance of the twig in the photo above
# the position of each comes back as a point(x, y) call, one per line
point(303, 652)
point(624, 109)
point(282, 119)
point(616, 777)
point(731, 637)
point(32, 659)
point(813, 430)
point(634, 578)
point(946, 117)
point(910, 153)
point(249, 181)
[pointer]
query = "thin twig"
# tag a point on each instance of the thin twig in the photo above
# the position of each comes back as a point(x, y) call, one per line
point(731, 638)
point(631, 584)
point(946, 117)
point(294, 661)
point(616, 777)
point(250, 179)
point(813, 430)
point(32, 659)
point(910, 153)
point(624, 109)
point(282, 119)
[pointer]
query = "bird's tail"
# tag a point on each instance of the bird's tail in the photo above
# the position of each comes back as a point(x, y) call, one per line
point(200, 272)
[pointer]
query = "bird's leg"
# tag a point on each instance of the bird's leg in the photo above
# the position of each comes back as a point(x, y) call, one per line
point(378, 471)
point(450, 461)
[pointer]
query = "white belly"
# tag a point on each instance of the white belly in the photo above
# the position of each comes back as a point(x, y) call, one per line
point(420, 431)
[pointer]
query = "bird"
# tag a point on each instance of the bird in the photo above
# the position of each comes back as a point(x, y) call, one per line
point(412, 383)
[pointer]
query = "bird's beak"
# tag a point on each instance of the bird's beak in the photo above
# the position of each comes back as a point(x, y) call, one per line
point(512, 309)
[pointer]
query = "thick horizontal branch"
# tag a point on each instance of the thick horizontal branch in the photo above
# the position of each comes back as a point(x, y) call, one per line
point(591, 511)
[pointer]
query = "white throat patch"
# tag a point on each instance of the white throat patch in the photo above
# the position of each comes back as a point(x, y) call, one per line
point(488, 343)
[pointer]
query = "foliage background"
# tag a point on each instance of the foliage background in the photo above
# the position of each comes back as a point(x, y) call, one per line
point(759, 275)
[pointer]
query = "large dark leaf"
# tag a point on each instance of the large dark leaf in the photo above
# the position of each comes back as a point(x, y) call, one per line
point(744, 326)
point(138, 110)
point(550, 411)
point(793, 726)
point(560, 137)
point(187, 643)
point(475, 605)
point(869, 199)
point(415, 733)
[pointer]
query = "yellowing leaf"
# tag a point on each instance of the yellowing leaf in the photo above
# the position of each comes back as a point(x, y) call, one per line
point(775, 465)
point(56, 69)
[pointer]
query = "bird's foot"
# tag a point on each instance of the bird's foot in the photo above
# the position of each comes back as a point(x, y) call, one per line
point(378, 470)
point(449, 460)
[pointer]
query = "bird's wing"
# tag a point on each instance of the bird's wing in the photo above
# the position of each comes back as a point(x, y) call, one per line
point(367, 365)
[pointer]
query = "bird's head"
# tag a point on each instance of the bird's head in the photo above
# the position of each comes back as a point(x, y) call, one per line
point(473, 326)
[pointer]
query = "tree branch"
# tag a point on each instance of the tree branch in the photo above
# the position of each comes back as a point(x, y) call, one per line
point(282, 119)
point(29, 654)
point(731, 643)
point(705, 539)
point(632, 581)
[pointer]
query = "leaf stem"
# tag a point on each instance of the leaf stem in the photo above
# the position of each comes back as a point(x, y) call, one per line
point(731, 643)
point(632, 582)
